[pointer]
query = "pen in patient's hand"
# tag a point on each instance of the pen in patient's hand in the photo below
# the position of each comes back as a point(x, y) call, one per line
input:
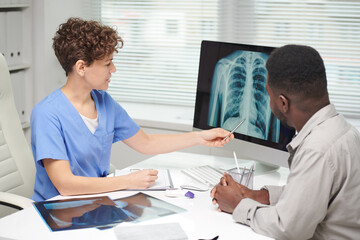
point(234, 130)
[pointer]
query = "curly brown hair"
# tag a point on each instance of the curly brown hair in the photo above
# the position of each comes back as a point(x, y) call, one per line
point(79, 39)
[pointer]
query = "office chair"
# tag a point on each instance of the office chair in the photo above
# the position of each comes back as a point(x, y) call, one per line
point(17, 167)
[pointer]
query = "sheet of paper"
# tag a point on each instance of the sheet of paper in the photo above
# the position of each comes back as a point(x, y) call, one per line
point(162, 183)
point(167, 231)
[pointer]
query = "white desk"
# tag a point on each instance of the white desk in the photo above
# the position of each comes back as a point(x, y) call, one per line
point(201, 220)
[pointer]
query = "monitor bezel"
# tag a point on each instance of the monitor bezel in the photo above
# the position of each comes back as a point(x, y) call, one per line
point(224, 49)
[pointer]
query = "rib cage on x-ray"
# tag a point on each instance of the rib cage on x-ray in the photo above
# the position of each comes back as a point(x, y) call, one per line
point(238, 92)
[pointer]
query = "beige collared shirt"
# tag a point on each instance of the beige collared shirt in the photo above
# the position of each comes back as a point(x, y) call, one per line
point(321, 199)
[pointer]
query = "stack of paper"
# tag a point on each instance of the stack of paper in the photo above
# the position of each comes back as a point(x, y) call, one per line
point(167, 231)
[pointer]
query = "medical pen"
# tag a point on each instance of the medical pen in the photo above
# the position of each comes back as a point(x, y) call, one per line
point(234, 130)
point(249, 175)
point(236, 162)
point(242, 175)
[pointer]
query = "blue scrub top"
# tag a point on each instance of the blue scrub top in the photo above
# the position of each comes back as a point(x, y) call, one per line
point(59, 132)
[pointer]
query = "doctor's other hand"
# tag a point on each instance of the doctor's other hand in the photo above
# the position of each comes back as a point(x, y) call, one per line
point(214, 137)
point(142, 179)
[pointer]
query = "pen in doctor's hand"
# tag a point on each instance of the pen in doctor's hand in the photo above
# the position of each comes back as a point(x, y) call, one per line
point(234, 130)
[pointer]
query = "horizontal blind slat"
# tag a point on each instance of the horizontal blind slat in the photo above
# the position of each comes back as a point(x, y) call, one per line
point(160, 57)
point(333, 28)
point(162, 42)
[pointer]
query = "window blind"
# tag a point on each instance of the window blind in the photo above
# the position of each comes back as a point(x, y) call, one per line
point(331, 27)
point(92, 9)
point(159, 61)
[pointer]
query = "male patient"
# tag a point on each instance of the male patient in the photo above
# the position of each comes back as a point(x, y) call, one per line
point(321, 199)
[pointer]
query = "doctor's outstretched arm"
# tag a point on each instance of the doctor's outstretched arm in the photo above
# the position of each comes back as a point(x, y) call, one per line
point(164, 143)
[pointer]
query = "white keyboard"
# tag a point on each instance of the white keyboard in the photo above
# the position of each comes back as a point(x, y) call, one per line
point(204, 174)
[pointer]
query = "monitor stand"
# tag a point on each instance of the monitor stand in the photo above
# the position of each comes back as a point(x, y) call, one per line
point(262, 168)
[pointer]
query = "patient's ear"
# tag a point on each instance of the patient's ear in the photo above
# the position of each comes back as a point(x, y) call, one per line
point(284, 103)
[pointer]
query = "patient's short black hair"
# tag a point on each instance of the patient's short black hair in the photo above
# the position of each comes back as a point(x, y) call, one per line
point(297, 70)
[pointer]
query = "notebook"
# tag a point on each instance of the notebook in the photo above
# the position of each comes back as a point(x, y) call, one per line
point(163, 182)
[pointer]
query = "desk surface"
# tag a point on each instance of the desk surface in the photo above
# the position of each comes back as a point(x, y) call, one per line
point(201, 220)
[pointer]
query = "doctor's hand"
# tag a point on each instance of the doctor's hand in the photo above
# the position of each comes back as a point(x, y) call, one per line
point(214, 137)
point(142, 179)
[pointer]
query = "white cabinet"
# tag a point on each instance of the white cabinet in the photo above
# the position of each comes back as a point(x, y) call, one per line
point(16, 46)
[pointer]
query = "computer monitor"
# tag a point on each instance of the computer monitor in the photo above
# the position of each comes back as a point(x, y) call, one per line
point(230, 88)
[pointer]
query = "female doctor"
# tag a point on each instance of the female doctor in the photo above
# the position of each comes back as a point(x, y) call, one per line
point(73, 128)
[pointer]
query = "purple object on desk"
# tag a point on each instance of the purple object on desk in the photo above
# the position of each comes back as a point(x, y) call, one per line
point(189, 194)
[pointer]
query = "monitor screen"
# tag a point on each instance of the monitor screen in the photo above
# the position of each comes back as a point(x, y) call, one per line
point(231, 88)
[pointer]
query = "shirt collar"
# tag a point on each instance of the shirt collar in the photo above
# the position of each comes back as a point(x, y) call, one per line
point(320, 116)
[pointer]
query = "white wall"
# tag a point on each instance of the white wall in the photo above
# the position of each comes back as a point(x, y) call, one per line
point(47, 16)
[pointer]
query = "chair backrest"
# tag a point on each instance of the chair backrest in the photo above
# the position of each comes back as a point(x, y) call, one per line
point(17, 167)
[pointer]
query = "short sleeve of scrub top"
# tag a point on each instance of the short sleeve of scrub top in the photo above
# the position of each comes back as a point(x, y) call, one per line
point(59, 132)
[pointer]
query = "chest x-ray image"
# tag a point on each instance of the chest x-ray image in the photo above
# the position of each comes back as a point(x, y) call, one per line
point(238, 92)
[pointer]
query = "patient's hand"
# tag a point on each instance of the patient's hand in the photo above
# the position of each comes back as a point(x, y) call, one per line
point(228, 194)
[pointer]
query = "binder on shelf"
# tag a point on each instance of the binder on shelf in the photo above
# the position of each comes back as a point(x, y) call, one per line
point(15, 2)
point(18, 85)
point(14, 37)
point(23, 1)
point(5, 2)
point(3, 33)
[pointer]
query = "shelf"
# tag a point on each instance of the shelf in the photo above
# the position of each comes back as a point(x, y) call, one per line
point(18, 67)
point(25, 125)
point(14, 6)
point(16, 38)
